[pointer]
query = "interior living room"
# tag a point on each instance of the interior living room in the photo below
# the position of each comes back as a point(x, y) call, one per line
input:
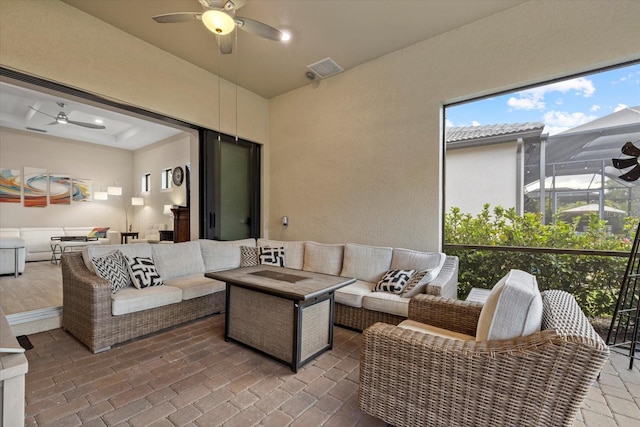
point(353, 157)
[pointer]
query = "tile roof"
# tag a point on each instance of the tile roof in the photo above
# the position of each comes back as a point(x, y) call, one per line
point(466, 133)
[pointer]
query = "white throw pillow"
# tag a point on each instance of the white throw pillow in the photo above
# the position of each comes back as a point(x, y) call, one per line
point(513, 308)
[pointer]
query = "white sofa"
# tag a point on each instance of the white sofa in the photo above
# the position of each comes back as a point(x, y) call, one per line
point(100, 318)
point(37, 240)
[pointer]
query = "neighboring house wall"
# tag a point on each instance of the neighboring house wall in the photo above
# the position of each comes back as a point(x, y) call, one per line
point(479, 175)
point(356, 157)
point(102, 165)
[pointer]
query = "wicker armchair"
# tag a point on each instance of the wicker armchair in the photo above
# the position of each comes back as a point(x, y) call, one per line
point(409, 378)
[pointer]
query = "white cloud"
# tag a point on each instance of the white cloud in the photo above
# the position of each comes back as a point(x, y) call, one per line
point(620, 107)
point(559, 121)
point(594, 108)
point(475, 123)
point(448, 123)
point(533, 99)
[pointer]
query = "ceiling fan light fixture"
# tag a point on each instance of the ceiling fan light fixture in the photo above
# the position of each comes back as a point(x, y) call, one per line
point(61, 119)
point(218, 21)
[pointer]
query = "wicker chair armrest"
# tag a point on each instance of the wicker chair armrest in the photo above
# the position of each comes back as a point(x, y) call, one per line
point(451, 314)
point(446, 284)
point(439, 381)
point(84, 293)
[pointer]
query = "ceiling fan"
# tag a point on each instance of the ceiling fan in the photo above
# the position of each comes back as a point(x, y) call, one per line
point(220, 18)
point(62, 119)
point(630, 150)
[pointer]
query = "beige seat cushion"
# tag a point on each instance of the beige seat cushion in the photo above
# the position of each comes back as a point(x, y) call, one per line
point(323, 258)
point(293, 251)
point(368, 263)
point(513, 308)
point(196, 285)
point(386, 302)
point(352, 294)
point(131, 300)
point(219, 255)
point(407, 259)
point(433, 330)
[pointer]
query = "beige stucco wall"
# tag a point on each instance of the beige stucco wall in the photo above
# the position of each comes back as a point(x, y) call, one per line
point(479, 175)
point(54, 41)
point(358, 157)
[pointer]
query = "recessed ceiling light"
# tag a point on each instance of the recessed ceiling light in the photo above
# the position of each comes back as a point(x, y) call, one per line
point(286, 36)
point(99, 121)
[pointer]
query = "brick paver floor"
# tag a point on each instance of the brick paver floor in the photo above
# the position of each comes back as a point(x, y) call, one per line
point(189, 376)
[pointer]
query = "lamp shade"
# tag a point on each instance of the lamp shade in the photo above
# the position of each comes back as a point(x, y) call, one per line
point(114, 191)
point(218, 21)
point(137, 201)
point(100, 195)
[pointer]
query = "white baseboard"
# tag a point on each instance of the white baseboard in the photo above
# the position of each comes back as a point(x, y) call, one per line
point(34, 315)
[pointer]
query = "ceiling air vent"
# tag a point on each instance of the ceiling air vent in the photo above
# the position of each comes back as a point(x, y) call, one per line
point(325, 68)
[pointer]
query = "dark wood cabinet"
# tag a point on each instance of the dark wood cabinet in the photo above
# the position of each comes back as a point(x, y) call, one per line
point(181, 225)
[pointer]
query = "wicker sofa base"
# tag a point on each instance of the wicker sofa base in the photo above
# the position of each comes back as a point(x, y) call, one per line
point(360, 319)
point(87, 314)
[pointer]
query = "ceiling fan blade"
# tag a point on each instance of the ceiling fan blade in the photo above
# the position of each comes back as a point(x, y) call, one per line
point(225, 43)
point(624, 163)
point(259, 29)
point(630, 150)
point(178, 17)
point(632, 175)
point(239, 3)
point(52, 123)
point(38, 111)
point(86, 125)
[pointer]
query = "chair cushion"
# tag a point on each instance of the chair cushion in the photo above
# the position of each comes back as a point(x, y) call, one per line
point(433, 330)
point(293, 251)
point(323, 258)
point(513, 308)
point(368, 263)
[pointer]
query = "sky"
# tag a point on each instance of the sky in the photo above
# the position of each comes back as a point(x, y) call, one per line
point(560, 106)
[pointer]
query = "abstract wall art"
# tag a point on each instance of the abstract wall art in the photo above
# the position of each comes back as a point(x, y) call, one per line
point(59, 189)
point(35, 187)
point(10, 188)
point(81, 190)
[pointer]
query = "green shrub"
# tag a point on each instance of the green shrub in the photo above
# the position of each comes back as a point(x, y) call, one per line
point(593, 279)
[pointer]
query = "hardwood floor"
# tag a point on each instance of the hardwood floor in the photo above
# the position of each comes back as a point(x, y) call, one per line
point(40, 286)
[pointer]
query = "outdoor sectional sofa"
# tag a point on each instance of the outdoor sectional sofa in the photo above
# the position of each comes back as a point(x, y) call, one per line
point(99, 318)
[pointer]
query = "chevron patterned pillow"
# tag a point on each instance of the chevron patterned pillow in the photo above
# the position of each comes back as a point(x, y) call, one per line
point(143, 272)
point(113, 267)
point(248, 256)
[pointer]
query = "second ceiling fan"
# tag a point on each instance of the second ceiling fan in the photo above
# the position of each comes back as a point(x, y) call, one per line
point(220, 18)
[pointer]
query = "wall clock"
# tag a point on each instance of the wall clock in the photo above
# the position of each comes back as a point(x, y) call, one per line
point(178, 176)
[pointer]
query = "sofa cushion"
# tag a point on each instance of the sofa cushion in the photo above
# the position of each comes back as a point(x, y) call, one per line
point(143, 272)
point(113, 267)
point(421, 279)
point(88, 252)
point(178, 259)
point(407, 259)
point(35, 234)
point(434, 330)
point(513, 308)
point(196, 285)
point(352, 294)
point(219, 255)
point(323, 258)
point(131, 300)
point(386, 302)
point(366, 263)
point(293, 251)
point(271, 256)
point(9, 232)
point(394, 281)
point(248, 256)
